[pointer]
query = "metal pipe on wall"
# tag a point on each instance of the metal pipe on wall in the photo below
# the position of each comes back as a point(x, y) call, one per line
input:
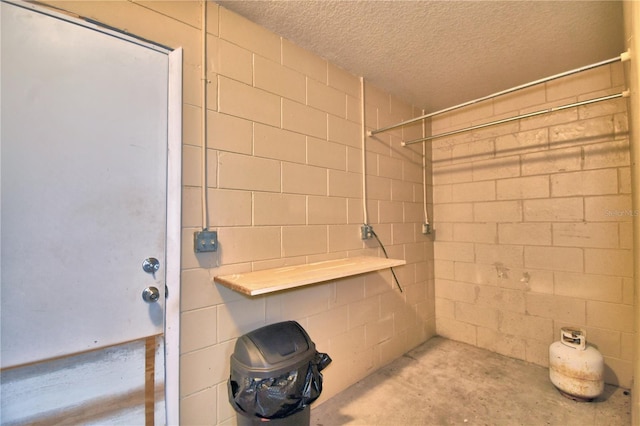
point(519, 117)
point(426, 224)
point(365, 210)
point(203, 129)
point(622, 57)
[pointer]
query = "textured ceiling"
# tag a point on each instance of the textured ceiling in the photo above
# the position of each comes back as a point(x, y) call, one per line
point(436, 54)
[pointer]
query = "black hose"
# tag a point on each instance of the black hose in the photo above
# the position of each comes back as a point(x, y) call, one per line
point(387, 256)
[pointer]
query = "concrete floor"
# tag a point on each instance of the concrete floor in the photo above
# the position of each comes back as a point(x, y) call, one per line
point(445, 382)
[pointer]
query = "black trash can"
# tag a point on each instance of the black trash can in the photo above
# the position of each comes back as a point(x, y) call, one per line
point(275, 375)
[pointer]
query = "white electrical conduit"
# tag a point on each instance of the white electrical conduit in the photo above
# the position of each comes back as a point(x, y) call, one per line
point(518, 117)
point(364, 155)
point(424, 178)
point(203, 136)
point(623, 57)
point(364, 183)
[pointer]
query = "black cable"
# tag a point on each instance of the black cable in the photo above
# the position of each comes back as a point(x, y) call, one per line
point(387, 256)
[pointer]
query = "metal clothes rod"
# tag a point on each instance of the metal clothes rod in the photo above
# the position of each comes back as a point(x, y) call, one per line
point(623, 57)
point(518, 117)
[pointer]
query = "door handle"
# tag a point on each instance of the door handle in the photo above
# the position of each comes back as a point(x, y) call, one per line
point(150, 294)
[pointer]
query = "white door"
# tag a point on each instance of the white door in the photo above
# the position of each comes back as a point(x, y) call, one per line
point(84, 134)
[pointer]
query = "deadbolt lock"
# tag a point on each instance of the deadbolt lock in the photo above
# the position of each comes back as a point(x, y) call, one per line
point(151, 265)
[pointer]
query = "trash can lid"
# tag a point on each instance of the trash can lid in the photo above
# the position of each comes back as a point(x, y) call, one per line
point(272, 346)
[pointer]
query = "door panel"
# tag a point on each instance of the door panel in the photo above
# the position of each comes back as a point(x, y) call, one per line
point(83, 178)
point(106, 386)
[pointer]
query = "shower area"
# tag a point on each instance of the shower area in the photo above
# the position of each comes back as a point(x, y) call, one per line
point(441, 248)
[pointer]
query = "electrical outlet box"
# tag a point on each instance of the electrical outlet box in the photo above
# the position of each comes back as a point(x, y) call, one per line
point(426, 228)
point(205, 241)
point(366, 231)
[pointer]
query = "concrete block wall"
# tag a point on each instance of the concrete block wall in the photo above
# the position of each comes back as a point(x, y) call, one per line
point(285, 188)
point(284, 182)
point(534, 222)
point(532, 217)
point(631, 14)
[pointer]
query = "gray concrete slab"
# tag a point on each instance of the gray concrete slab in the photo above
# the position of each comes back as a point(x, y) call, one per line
point(443, 382)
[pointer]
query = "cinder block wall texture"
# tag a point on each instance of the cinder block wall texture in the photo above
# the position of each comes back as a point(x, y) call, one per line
point(285, 188)
point(533, 221)
point(530, 217)
point(284, 184)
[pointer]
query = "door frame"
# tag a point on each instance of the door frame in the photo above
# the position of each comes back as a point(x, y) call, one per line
point(173, 203)
point(173, 243)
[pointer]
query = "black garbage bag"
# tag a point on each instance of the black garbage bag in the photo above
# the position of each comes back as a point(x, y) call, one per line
point(275, 372)
point(281, 396)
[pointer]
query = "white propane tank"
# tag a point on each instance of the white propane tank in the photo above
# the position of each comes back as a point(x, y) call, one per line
point(575, 368)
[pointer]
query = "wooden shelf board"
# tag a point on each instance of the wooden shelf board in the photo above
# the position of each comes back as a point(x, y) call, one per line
point(270, 280)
